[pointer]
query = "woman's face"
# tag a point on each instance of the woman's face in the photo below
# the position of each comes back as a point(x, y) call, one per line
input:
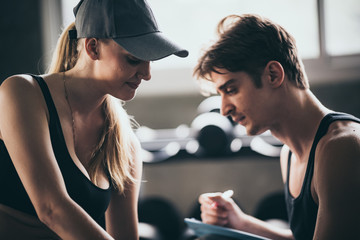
point(118, 72)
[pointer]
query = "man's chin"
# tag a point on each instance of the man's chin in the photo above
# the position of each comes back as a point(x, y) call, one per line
point(251, 131)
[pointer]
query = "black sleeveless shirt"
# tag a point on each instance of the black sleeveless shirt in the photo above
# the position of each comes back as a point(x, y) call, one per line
point(302, 211)
point(92, 199)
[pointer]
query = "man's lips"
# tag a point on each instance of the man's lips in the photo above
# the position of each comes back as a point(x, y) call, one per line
point(239, 120)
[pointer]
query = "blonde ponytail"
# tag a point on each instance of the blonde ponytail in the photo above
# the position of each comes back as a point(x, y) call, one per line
point(115, 151)
point(66, 53)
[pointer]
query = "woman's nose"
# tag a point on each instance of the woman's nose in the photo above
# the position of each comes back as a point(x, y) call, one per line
point(144, 71)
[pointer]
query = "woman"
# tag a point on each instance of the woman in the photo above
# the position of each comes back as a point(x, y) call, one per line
point(69, 160)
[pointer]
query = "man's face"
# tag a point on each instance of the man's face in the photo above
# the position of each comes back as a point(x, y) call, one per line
point(241, 100)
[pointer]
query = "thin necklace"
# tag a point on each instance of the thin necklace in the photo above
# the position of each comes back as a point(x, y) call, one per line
point(71, 111)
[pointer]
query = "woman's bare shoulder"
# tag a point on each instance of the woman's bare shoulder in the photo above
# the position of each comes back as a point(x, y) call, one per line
point(20, 97)
point(18, 87)
point(19, 79)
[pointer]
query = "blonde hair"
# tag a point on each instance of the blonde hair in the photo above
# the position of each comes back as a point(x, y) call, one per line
point(115, 151)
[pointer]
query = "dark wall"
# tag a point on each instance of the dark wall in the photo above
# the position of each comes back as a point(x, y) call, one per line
point(340, 96)
point(20, 41)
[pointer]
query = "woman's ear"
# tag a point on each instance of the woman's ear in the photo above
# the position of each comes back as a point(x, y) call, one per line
point(91, 46)
point(275, 73)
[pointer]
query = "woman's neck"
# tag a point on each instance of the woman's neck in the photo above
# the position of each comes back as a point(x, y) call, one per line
point(83, 94)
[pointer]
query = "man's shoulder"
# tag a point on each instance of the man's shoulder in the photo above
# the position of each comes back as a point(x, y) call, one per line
point(336, 178)
point(341, 132)
point(341, 143)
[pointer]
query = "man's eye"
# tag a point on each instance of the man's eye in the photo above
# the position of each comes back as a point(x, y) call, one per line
point(230, 90)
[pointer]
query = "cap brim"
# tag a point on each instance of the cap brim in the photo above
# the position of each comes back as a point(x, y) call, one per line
point(151, 46)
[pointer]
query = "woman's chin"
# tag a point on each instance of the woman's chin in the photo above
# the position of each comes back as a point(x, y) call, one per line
point(125, 97)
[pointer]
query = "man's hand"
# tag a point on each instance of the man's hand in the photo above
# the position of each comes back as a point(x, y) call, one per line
point(217, 209)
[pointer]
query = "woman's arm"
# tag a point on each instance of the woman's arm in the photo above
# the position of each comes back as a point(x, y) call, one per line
point(122, 213)
point(25, 131)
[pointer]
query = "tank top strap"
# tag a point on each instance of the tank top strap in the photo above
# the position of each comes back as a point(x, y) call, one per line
point(288, 167)
point(302, 211)
point(322, 130)
point(47, 96)
point(324, 126)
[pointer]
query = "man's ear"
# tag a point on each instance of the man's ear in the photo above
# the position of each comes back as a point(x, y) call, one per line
point(91, 46)
point(275, 73)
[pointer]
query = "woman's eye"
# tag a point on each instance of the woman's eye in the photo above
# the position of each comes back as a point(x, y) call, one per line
point(133, 61)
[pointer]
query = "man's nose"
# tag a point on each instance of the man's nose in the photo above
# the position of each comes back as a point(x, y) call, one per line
point(226, 107)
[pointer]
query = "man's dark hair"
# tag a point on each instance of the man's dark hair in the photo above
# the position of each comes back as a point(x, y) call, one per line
point(247, 43)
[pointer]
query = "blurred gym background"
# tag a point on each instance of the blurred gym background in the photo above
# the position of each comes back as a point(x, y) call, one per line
point(328, 38)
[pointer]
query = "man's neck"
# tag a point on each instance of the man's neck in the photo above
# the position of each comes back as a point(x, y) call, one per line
point(298, 125)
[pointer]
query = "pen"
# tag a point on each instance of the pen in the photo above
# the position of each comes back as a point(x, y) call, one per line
point(226, 195)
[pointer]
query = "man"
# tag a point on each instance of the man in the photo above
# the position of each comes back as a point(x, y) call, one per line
point(255, 67)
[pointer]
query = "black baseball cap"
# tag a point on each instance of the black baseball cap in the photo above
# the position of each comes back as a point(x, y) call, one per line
point(130, 23)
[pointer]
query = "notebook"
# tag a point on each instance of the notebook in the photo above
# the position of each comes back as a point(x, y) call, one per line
point(202, 229)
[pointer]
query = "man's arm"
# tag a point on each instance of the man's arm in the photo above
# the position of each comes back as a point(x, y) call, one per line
point(337, 185)
point(221, 211)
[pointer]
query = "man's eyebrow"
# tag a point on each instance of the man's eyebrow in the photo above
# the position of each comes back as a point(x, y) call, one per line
point(225, 85)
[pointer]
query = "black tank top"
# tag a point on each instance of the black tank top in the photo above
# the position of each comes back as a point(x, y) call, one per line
point(302, 211)
point(92, 199)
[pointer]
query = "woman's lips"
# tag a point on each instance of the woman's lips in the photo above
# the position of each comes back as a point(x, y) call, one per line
point(133, 85)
